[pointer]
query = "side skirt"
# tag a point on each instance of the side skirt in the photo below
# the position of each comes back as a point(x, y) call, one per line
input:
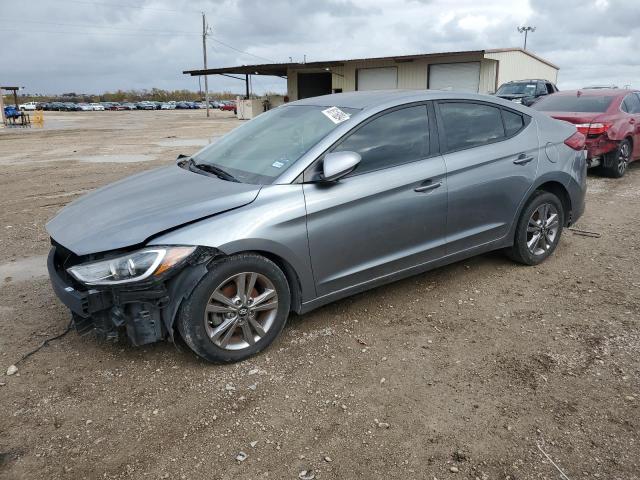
point(392, 277)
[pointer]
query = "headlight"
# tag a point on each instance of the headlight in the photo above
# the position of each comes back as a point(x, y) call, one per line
point(133, 267)
point(517, 100)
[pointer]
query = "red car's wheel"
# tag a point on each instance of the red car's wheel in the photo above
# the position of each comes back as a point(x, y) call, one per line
point(616, 162)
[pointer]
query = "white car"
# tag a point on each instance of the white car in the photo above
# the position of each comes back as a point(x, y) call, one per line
point(28, 106)
point(97, 107)
point(85, 107)
point(168, 106)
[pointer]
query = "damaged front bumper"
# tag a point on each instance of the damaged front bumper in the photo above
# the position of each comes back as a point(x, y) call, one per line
point(146, 311)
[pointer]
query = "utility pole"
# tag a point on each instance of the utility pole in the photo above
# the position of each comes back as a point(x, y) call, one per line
point(204, 54)
point(526, 30)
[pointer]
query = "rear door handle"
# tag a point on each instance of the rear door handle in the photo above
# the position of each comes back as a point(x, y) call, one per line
point(523, 159)
point(427, 187)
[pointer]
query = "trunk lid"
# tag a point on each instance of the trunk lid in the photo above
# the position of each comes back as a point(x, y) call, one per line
point(575, 117)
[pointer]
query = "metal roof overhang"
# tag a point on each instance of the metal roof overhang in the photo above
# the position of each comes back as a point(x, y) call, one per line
point(280, 69)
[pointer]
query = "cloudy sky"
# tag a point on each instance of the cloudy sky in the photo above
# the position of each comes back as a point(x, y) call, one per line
point(55, 46)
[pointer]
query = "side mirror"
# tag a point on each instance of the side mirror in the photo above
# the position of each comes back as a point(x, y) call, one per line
point(528, 101)
point(338, 164)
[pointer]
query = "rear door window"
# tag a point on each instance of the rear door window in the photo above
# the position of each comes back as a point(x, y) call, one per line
point(469, 124)
point(513, 122)
point(631, 104)
point(394, 138)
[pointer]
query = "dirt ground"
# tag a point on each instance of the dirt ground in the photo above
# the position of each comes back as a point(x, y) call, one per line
point(469, 371)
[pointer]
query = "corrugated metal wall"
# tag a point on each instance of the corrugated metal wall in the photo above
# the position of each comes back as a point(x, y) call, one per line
point(488, 76)
point(516, 65)
point(510, 65)
point(411, 75)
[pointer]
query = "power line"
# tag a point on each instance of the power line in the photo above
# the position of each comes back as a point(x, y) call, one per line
point(144, 33)
point(119, 34)
point(139, 7)
point(241, 51)
point(168, 32)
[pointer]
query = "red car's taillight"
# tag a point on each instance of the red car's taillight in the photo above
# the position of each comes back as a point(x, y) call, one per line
point(576, 141)
point(593, 128)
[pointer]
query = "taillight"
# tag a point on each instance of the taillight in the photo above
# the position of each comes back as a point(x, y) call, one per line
point(593, 128)
point(576, 141)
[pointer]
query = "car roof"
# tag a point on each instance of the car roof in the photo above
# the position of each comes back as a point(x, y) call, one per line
point(365, 100)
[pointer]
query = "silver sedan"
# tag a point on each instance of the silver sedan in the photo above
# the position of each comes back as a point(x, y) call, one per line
point(309, 203)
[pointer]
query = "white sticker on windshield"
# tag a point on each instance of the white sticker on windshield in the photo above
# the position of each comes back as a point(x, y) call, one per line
point(336, 115)
point(277, 164)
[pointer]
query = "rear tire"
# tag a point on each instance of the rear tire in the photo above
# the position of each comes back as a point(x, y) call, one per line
point(238, 309)
point(617, 162)
point(539, 229)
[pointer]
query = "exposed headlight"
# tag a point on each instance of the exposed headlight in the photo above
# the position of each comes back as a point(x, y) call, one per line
point(132, 267)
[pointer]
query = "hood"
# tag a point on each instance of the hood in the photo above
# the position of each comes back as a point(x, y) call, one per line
point(130, 211)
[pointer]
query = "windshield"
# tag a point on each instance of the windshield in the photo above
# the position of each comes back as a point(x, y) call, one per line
point(523, 88)
point(574, 103)
point(262, 149)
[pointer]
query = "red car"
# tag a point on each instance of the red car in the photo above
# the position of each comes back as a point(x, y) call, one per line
point(610, 119)
point(229, 106)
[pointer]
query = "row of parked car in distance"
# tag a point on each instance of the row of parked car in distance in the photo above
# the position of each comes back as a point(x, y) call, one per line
point(228, 105)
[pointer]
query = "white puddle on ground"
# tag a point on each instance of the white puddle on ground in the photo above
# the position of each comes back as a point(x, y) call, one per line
point(23, 269)
point(120, 158)
point(185, 142)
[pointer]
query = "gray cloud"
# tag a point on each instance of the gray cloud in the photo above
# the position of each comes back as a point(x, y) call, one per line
point(81, 45)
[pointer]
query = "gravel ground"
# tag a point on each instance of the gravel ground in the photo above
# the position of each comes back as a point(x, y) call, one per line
point(469, 371)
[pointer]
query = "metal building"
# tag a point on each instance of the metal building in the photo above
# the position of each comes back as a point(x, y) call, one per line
point(480, 71)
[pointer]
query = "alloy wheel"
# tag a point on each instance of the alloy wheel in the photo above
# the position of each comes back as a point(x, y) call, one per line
point(542, 229)
point(241, 310)
point(624, 155)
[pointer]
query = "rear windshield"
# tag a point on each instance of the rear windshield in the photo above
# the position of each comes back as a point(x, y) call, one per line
point(570, 103)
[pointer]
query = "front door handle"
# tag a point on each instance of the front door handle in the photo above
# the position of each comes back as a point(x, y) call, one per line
point(523, 159)
point(427, 187)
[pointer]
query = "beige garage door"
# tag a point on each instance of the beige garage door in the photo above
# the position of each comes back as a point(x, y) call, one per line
point(455, 76)
point(377, 78)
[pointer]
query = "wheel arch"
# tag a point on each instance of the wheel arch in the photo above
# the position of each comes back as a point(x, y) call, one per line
point(629, 137)
point(297, 270)
point(289, 272)
point(560, 191)
point(551, 184)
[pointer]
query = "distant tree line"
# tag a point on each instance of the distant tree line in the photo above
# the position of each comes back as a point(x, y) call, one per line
point(154, 94)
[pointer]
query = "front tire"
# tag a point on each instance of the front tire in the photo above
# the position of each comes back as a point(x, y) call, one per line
point(616, 162)
point(238, 309)
point(538, 230)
